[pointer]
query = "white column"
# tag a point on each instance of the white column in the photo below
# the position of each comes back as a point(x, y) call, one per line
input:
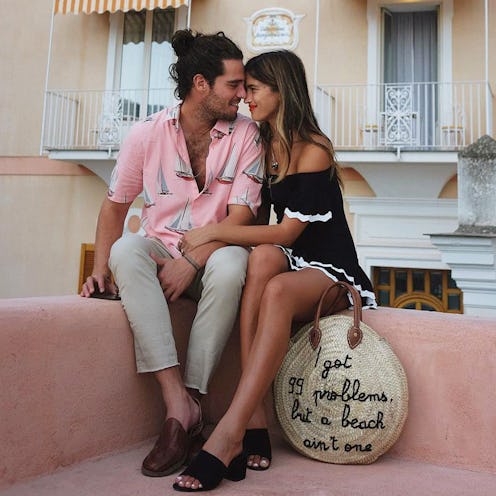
point(472, 260)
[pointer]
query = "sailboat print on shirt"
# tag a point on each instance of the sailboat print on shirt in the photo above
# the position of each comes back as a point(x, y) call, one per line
point(162, 188)
point(255, 171)
point(243, 200)
point(148, 199)
point(182, 222)
point(182, 169)
point(229, 170)
point(206, 190)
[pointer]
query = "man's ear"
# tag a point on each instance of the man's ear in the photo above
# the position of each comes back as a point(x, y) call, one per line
point(200, 83)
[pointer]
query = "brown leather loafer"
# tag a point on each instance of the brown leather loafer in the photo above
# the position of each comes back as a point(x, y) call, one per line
point(171, 449)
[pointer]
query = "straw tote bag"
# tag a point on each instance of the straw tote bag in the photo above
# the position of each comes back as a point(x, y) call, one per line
point(341, 394)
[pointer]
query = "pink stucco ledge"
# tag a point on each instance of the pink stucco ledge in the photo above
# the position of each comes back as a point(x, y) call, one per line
point(69, 390)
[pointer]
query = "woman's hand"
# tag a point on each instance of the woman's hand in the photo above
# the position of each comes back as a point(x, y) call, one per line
point(198, 236)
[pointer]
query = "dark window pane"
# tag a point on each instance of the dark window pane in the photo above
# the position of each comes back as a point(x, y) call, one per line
point(134, 27)
point(409, 306)
point(400, 278)
point(453, 302)
point(133, 55)
point(425, 306)
point(452, 283)
point(437, 284)
point(384, 298)
point(384, 276)
point(163, 25)
point(418, 280)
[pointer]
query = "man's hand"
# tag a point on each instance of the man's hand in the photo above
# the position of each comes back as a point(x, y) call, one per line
point(175, 275)
point(109, 228)
point(100, 283)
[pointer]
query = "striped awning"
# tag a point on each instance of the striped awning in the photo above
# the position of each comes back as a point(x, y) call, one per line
point(100, 6)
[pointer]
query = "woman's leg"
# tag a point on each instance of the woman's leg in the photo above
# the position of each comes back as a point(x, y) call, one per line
point(288, 296)
point(265, 262)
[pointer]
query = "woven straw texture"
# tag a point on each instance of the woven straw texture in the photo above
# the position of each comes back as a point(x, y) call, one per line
point(337, 404)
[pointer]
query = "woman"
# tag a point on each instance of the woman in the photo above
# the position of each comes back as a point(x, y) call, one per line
point(289, 268)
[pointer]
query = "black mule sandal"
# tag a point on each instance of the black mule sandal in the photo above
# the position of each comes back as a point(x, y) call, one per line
point(209, 471)
point(257, 442)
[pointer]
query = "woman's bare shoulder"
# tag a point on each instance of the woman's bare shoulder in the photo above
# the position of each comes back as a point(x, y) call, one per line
point(313, 158)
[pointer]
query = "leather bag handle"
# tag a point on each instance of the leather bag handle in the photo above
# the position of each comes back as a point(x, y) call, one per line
point(355, 334)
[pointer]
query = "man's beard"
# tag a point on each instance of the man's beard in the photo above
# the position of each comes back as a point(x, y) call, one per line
point(215, 108)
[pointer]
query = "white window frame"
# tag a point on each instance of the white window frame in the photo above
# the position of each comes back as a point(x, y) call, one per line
point(375, 39)
point(114, 51)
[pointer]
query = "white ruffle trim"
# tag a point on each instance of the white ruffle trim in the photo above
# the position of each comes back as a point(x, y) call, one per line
point(308, 218)
point(298, 263)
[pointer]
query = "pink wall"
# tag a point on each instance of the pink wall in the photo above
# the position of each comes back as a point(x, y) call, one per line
point(450, 363)
point(69, 390)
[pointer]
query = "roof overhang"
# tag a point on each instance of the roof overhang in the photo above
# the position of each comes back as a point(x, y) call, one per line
point(101, 6)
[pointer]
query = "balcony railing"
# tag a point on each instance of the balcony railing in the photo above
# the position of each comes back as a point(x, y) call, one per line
point(97, 120)
point(415, 116)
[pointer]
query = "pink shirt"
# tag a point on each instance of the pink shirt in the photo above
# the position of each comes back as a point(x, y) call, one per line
point(154, 160)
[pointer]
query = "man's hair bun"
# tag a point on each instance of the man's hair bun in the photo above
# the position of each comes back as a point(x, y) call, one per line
point(199, 53)
point(182, 41)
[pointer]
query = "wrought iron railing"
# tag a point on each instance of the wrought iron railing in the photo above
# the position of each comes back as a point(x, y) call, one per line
point(417, 116)
point(97, 120)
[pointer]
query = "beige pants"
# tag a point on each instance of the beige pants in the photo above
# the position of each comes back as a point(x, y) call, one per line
point(217, 289)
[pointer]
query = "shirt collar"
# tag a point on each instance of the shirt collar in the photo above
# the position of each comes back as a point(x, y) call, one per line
point(172, 115)
point(223, 127)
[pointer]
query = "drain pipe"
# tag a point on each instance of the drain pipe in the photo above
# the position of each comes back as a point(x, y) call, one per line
point(489, 126)
point(188, 22)
point(317, 23)
point(49, 58)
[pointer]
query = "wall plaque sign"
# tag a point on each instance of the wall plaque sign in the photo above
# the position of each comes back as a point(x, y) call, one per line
point(272, 29)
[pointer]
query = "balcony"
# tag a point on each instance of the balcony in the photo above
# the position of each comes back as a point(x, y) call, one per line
point(87, 126)
point(404, 116)
point(97, 120)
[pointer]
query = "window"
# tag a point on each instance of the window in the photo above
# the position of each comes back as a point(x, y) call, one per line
point(410, 46)
point(419, 289)
point(410, 66)
point(140, 54)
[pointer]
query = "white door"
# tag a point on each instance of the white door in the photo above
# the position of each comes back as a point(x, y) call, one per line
point(410, 73)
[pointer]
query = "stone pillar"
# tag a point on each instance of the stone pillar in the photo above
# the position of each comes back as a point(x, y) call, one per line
point(477, 187)
point(470, 251)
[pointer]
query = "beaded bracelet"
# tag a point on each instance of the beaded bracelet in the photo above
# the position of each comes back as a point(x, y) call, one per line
point(192, 262)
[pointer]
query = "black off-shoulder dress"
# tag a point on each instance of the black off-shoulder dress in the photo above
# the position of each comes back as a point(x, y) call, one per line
point(326, 243)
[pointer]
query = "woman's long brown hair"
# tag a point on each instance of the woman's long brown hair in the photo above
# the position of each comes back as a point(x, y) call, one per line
point(283, 72)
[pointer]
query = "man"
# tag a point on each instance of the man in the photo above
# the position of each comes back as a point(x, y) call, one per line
point(196, 163)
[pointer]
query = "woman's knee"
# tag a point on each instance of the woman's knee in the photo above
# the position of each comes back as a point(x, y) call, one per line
point(265, 260)
point(276, 292)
